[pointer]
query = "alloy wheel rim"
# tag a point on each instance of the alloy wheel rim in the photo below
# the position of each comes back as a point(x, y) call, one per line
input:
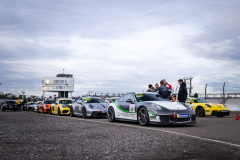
point(110, 113)
point(142, 116)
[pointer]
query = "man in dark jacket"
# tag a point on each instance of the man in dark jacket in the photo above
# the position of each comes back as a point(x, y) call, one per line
point(149, 88)
point(182, 93)
point(163, 90)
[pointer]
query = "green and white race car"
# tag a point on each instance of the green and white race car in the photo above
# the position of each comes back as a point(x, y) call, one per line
point(148, 107)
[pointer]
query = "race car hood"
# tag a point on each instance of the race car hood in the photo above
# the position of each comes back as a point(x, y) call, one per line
point(66, 105)
point(170, 105)
point(216, 106)
point(99, 105)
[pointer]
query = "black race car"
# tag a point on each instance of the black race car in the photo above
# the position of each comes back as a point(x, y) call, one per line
point(9, 105)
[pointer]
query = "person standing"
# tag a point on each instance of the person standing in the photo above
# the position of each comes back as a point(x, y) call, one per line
point(182, 93)
point(156, 85)
point(152, 89)
point(163, 90)
point(169, 86)
point(19, 103)
point(149, 88)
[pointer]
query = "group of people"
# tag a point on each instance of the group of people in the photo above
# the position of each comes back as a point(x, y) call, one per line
point(166, 92)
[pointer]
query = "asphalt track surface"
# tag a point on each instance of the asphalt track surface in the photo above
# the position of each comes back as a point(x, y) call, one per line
point(28, 135)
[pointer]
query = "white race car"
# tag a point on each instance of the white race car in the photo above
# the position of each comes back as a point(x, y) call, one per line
point(148, 107)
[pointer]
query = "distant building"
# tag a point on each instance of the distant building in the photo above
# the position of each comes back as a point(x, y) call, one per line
point(62, 83)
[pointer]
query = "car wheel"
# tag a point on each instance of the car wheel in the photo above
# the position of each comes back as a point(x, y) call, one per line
point(111, 115)
point(50, 112)
point(59, 112)
point(143, 117)
point(200, 112)
point(3, 109)
point(71, 113)
point(84, 112)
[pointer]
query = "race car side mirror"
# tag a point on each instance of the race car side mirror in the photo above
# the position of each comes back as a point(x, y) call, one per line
point(79, 102)
point(40, 103)
point(129, 101)
point(189, 102)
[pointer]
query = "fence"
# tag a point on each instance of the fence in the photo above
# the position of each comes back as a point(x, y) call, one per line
point(216, 90)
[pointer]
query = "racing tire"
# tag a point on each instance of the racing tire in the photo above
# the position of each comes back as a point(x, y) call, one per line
point(143, 116)
point(71, 114)
point(50, 112)
point(59, 112)
point(200, 112)
point(84, 114)
point(3, 109)
point(111, 115)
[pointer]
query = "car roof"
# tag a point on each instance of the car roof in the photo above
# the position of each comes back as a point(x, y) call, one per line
point(91, 97)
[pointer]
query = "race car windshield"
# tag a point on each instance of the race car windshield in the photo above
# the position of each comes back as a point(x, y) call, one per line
point(48, 102)
point(147, 97)
point(199, 101)
point(65, 102)
point(10, 102)
point(93, 100)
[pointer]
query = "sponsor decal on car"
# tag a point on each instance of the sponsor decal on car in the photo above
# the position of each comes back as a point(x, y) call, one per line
point(183, 115)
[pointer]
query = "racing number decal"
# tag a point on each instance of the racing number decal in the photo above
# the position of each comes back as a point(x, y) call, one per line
point(132, 108)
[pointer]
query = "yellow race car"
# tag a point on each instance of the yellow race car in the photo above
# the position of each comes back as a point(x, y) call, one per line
point(61, 107)
point(203, 108)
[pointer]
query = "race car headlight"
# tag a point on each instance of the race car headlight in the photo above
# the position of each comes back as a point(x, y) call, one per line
point(208, 105)
point(189, 106)
point(63, 107)
point(156, 107)
point(91, 106)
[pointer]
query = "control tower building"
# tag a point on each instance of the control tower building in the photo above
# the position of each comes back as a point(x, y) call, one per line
point(62, 83)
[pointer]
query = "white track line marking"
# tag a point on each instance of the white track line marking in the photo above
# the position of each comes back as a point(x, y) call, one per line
point(154, 129)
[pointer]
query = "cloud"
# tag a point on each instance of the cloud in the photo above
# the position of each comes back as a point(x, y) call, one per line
point(117, 46)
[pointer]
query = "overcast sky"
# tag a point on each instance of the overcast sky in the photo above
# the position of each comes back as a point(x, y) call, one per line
point(118, 45)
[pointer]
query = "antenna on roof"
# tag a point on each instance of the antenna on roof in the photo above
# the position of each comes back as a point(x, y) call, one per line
point(63, 70)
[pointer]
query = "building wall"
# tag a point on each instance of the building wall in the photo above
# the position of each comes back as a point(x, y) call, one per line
point(55, 84)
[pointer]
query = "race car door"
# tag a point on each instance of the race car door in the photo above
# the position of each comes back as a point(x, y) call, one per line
point(128, 109)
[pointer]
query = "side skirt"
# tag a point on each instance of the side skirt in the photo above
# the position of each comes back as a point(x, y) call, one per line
point(126, 120)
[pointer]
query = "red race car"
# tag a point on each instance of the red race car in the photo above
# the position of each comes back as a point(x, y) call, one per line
point(44, 107)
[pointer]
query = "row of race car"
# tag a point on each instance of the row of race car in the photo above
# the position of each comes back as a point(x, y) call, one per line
point(144, 108)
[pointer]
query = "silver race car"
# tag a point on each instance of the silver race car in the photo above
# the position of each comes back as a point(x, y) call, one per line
point(89, 107)
point(148, 107)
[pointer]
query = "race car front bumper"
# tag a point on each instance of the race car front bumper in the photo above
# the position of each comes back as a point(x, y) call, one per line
point(167, 119)
point(216, 113)
point(97, 113)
